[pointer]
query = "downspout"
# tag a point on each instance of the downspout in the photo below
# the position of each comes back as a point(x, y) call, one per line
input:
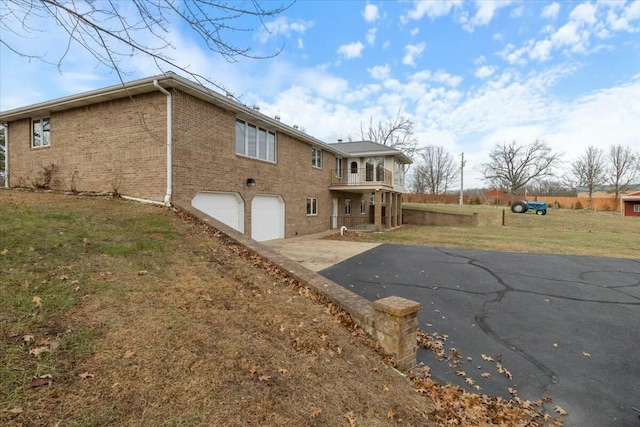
point(167, 197)
point(6, 155)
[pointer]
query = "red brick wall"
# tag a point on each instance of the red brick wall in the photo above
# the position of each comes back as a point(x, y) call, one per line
point(110, 145)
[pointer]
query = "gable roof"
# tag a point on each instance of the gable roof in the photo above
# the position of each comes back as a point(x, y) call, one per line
point(146, 85)
point(369, 148)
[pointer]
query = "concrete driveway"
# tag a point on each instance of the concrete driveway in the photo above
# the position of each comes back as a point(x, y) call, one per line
point(316, 253)
point(565, 327)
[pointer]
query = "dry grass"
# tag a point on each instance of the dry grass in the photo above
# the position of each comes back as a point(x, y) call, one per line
point(561, 231)
point(148, 319)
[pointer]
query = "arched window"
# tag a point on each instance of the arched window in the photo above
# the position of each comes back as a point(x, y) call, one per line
point(354, 167)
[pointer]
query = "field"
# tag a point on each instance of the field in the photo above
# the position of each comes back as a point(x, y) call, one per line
point(561, 231)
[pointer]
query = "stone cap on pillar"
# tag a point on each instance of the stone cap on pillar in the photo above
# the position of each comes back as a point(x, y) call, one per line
point(396, 306)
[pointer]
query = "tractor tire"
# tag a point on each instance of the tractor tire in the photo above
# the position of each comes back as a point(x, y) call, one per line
point(519, 207)
point(539, 212)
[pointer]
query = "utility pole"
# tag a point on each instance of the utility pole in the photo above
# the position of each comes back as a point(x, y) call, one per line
point(461, 178)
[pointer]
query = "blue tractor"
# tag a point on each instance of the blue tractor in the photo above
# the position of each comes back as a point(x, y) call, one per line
point(522, 206)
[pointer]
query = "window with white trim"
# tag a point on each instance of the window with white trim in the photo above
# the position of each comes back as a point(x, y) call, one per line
point(347, 207)
point(312, 206)
point(636, 208)
point(254, 141)
point(316, 157)
point(40, 133)
point(363, 207)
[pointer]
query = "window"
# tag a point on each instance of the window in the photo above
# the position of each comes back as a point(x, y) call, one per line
point(41, 133)
point(254, 141)
point(363, 207)
point(636, 208)
point(316, 157)
point(312, 206)
point(338, 167)
point(347, 207)
point(398, 175)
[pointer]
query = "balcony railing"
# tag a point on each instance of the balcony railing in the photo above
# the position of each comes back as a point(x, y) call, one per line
point(361, 177)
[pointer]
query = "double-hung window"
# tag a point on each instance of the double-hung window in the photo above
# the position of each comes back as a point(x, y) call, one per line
point(347, 207)
point(316, 157)
point(312, 206)
point(40, 133)
point(363, 207)
point(254, 141)
point(636, 208)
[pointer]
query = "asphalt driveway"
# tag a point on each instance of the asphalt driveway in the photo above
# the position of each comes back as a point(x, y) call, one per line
point(566, 327)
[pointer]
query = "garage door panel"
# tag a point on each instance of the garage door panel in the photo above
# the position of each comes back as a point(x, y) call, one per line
point(267, 218)
point(227, 208)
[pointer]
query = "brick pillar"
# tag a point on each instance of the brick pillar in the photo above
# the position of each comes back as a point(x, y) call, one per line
point(394, 219)
point(389, 210)
point(377, 212)
point(399, 208)
point(396, 329)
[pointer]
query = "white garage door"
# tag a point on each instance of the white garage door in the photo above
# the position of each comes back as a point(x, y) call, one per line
point(267, 218)
point(227, 208)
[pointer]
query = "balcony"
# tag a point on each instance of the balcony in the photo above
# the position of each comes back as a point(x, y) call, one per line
point(366, 178)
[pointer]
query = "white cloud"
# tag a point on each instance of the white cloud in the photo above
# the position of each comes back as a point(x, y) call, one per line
point(370, 13)
point(371, 35)
point(432, 9)
point(485, 71)
point(411, 52)
point(550, 11)
point(351, 50)
point(441, 76)
point(585, 12)
point(485, 11)
point(283, 26)
point(379, 72)
point(517, 12)
point(415, 31)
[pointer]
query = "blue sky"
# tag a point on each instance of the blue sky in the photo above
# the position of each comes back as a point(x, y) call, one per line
point(471, 74)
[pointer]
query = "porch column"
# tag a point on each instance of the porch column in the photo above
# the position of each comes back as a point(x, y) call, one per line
point(394, 218)
point(388, 210)
point(377, 211)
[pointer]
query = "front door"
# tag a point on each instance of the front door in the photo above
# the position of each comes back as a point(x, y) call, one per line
point(334, 218)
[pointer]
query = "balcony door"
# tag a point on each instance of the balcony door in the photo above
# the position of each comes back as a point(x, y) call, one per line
point(374, 169)
point(353, 173)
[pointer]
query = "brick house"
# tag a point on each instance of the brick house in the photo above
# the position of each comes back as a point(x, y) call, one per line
point(165, 139)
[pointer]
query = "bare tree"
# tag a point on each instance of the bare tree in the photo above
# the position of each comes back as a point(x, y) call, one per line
point(513, 166)
point(112, 31)
point(396, 133)
point(550, 187)
point(589, 170)
point(623, 169)
point(436, 170)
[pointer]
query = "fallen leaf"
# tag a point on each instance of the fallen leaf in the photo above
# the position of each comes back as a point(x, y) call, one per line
point(86, 375)
point(142, 272)
point(40, 381)
point(512, 391)
point(264, 377)
point(85, 242)
point(469, 381)
point(461, 373)
point(17, 410)
point(37, 301)
point(282, 328)
point(555, 345)
point(283, 371)
point(486, 358)
point(560, 410)
point(38, 350)
point(206, 298)
point(391, 413)
point(315, 411)
point(351, 418)
point(374, 369)
point(129, 354)
point(28, 338)
point(385, 388)
point(585, 354)
point(253, 369)
point(4, 252)
point(63, 278)
point(323, 337)
point(486, 375)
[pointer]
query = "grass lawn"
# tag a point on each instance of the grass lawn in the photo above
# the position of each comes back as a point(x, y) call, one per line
point(114, 313)
point(561, 231)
